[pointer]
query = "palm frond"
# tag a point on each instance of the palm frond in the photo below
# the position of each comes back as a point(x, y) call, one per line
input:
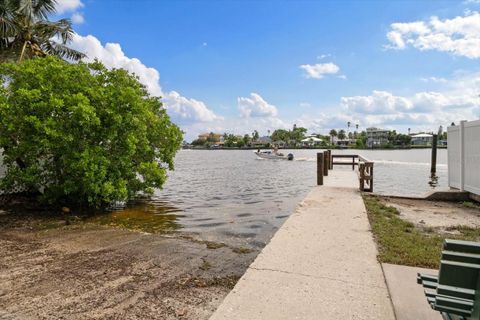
point(60, 50)
point(7, 24)
point(61, 29)
point(43, 8)
point(34, 10)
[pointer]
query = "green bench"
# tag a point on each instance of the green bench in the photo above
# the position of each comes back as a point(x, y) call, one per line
point(455, 292)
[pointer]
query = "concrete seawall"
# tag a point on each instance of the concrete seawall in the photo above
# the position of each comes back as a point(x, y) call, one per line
point(321, 264)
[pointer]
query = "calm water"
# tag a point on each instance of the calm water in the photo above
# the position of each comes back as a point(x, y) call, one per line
point(234, 197)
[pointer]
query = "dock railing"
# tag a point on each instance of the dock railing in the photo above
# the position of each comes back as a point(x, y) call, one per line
point(365, 174)
point(326, 160)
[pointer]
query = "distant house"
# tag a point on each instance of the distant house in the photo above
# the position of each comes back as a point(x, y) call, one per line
point(280, 143)
point(262, 141)
point(376, 137)
point(311, 141)
point(343, 142)
point(422, 139)
point(204, 136)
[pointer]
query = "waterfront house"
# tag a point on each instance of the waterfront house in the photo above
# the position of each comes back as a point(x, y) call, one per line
point(311, 141)
point(422, 139)
point(376, 137)
point(280, 143)
point(262, 142)
point(214, 137)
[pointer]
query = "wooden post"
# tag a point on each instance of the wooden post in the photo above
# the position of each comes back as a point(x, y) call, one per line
point(361, 171)
point(433, 168)
point(330, 160)
point(326, 164)
point(353, 163)
point(319, 169)
point(371, 179)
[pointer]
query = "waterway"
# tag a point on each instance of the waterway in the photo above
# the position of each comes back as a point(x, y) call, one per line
point(234, 197)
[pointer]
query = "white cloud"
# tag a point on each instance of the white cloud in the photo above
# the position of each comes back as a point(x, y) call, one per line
point(78, 18)
point(424, 110)
point(188, 110)
point(459, 36)
point(182, 110)
point(434, 79)
point(379, 102)
point(255, 106)
point(319, 70)
point(68, 5)
point(323, 56)
point(471, 2)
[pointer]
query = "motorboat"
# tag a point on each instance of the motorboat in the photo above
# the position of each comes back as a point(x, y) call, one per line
point(274, 155)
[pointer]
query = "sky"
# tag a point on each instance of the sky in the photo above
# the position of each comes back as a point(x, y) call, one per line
point(239, 66)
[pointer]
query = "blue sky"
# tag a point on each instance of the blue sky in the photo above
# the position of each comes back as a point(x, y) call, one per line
point(237, 66)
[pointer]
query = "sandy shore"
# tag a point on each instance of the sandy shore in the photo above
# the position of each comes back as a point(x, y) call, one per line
point(90, 272)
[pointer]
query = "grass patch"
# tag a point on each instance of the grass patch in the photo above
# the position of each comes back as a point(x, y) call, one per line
point(471, 205)
point(242, 250)
point(401, 242)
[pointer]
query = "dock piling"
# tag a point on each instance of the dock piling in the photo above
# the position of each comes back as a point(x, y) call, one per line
point(319, 169)
point(326, 164)
point(330, 160)
point(433, 168)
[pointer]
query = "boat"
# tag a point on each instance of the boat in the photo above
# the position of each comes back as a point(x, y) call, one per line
point(273, 155)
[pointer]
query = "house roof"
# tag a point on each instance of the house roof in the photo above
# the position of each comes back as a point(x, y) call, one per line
point(422, 135)
point(311, 139)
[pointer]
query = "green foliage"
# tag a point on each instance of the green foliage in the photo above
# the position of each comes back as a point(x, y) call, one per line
point(289, 136)
point(280, 135)
point(81, 134)
point(341, 134)
point(26, 32)
point(231, 140)
point(255, 135)
point(199, 142)
point(398, 139)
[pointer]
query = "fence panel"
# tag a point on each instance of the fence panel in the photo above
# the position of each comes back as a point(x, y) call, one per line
point(472, 156)
point(454, 159)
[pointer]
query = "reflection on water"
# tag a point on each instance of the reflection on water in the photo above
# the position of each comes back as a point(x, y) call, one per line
point(433, 182)
point(232, 196)
point(148, 216)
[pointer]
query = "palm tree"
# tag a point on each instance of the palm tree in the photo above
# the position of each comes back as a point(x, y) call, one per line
point(26, 32)
point(333, 133)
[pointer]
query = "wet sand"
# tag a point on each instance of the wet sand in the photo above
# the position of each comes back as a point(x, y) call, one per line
point(85, 271)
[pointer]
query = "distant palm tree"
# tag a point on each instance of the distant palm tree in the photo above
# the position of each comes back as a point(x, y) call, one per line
point(348, 125)
point(356, 126)
point(333, 133)
point(26, 32)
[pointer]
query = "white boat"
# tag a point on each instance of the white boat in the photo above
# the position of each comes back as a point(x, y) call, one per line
point(273, 155)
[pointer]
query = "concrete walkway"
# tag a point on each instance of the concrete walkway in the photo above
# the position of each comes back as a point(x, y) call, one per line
point(408, 298)
point(321, 264)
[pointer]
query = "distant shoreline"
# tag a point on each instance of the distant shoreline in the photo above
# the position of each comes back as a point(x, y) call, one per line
point(314, 148)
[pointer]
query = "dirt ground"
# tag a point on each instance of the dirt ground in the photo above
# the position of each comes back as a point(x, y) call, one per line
point(436, 214)
point(85, 271)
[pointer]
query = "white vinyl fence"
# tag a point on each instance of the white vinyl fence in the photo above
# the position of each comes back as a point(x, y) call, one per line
point(464, 156)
